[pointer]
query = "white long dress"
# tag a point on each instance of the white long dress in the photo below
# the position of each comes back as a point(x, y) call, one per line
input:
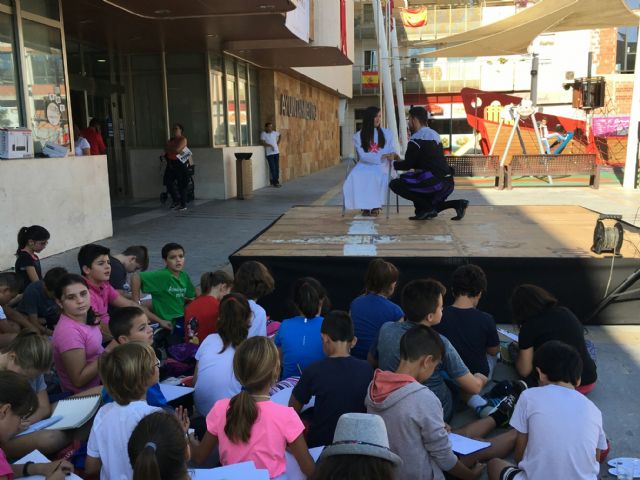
point(366, 186)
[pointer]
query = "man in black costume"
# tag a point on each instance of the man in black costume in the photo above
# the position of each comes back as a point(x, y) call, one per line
point(430, 180)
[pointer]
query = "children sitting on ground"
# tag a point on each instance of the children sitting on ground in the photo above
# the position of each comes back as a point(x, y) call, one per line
point(559, 431)
point(158, 449)
point(77, 340)
point(127, 373)
point(541, 319)
point(373, 309)
point(31, 356)
point(250, 426)
point(130, 324)
point(169, 287)
point(214, 378)
point(413, 415)
point(17, 402)
point(38, 301)
point(31, 241)
point(422, 304)
point(360, 450)
point(94, 263)
point(298, 339)
point(254, 281)
point(338, 383)
point(201, 315)
point(471, 332)
point(135, 258)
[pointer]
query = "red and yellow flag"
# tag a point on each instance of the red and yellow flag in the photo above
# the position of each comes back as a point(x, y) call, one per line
point(414, 17)
point(370, 79)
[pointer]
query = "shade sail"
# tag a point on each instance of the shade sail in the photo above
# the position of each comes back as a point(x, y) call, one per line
point(513, 35)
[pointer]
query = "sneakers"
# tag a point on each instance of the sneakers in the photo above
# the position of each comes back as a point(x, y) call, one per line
point(507, 387)
point(485, 410)
point(502, 411)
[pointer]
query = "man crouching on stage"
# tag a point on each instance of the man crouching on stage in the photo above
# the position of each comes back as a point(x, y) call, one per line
point(430, 180)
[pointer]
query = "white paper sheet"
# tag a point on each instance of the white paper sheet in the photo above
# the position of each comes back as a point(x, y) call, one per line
point(171, 392)
point(508, 334)
point(37, 457)
point(293, 469)
point(244, 471)
point(465, 445)
point(282, 398)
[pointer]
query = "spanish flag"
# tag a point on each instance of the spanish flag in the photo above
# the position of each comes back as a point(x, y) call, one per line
point(370, 79)
point(414, 17)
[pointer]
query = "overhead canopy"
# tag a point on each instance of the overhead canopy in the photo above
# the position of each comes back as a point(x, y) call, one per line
point(514, 34)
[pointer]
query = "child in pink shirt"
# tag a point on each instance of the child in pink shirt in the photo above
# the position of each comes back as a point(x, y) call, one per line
point(250, 426)
point(77, 341)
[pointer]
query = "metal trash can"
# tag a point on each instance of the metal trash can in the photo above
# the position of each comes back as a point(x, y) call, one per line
point(244, 175)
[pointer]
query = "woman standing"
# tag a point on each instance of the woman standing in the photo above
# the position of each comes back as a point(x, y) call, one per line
point(177, 170)
point(366, 185)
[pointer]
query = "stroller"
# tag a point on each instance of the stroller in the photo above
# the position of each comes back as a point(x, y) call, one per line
point(191, 186)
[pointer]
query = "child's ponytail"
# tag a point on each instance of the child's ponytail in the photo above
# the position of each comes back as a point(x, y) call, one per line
point(157, 448)
point(241, 415)
point(34, 232)
point(234, 320)
point(256, 365)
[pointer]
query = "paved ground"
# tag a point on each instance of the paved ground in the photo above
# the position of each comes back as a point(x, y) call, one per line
point(211, 231)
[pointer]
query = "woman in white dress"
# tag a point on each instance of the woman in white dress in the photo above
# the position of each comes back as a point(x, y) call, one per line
point(366, 186)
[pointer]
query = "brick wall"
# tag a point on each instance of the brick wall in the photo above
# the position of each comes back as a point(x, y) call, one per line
point(604, 45)
point(307, 145)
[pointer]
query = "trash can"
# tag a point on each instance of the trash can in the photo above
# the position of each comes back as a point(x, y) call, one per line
point(244, 176)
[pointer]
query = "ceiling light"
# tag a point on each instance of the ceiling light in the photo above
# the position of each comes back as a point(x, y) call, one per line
point(101, 60)
point(266, 7)
point(162, 12)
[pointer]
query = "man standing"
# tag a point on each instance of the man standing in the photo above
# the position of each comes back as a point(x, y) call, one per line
point(270, 139)
point(94, 137)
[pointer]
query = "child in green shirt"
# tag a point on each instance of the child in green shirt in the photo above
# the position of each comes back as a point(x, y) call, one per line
point(169, 288)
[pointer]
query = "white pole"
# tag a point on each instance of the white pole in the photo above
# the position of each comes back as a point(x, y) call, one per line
point(631, 163)
point(385, 71)
point(397, 77)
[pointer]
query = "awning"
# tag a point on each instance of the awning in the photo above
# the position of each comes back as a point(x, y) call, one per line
point(514, 34)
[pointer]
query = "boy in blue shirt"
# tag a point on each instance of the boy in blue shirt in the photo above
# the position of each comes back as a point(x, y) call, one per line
point(339, 382)
point(130, 324)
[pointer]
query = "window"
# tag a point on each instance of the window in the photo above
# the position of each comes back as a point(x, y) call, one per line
point(245, 138)
point(254, 107)
point(370, 60)
point(217, 110)
point(232, 127)
point(44, 8)
point(147, 98)
point(9, 105)
point(626, 49)
point(46, 84)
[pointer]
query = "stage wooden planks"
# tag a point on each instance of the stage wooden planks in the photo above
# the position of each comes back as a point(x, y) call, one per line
point(486, 231)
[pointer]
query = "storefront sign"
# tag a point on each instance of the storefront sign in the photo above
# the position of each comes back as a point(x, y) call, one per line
point(296, 107)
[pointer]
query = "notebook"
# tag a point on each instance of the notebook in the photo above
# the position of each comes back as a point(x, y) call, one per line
point(75, 412)
point(37, 457)
point(465, 445)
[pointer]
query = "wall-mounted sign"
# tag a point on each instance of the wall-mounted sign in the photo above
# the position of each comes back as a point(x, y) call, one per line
point(296, 107)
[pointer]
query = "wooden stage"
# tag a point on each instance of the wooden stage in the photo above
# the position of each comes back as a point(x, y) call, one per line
point(486, 231)
point(545, 245)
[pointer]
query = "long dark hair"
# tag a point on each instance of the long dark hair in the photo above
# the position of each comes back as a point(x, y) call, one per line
point(366, 133)
point(234, 320)
point(530, 301)
point(156, 448)
point(308, 296)
point(34, 232)
point(346, 467)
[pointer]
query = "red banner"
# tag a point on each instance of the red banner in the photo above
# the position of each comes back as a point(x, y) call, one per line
point(414, 17)
point(343, 27)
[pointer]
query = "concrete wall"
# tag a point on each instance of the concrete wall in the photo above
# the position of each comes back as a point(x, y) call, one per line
point(68, 196)
point(215, 176)
point(307, 146)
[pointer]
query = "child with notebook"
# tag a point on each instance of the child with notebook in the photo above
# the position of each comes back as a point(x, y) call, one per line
point(339, 382)
point(250, 426)
point(18, 401)
point(254, 281)
point(158, 449)
point(130, 324)
point(559, 430)
point(413, 415)
point(169, 287)
point(422, 304)
point(373, 309)
point(127, 373)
